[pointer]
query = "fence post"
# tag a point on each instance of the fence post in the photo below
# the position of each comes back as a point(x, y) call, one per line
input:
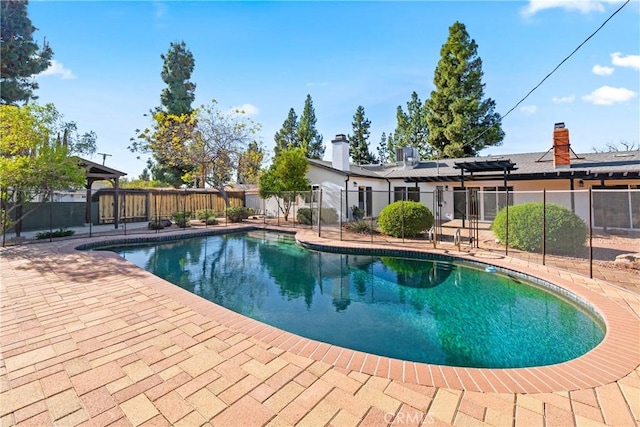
point(4, 204)
point(320, 214)
point(544, 224)
point(340, 216)
point(124, 210)
point(402, 216)
point(51, 217)
point(590, 234)
point(506, 243)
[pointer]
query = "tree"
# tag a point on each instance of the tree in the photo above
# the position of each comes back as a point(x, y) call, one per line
point(611, 147)
point(208, 140)
point(250, 163)
point(178, 65)
point(176, 110)
point(411, 129)
point(287, 136)
point(460, 121)
point(21, 58)
point(34, 162)
point(359, 141)
point(308, 135)
point(285, 178)
point(383, 150)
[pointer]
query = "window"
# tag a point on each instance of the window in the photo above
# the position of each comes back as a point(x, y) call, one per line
point(406, 193)
point(494, 199)
point(626, 202)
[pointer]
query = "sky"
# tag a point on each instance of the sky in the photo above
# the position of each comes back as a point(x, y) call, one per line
point(265, 57)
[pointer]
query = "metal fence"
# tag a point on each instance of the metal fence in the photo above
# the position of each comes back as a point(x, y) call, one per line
point(46, 214)
point(574, 230)
point(608, 220)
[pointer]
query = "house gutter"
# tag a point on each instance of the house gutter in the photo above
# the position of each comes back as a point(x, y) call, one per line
point(388, 191)
point(346, 196)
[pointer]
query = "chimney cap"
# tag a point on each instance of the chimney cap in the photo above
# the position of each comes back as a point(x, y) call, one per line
point(340, 137)
point(559, 125)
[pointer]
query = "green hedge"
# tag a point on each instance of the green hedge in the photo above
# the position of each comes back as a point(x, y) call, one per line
point(237, 213)
point(566, 232)
point(407, 219)
point(307, 216)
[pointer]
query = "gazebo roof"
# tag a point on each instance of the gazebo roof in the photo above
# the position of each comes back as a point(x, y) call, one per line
point(97, 172)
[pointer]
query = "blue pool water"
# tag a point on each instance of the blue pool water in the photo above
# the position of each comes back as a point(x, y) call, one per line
point(409, 309)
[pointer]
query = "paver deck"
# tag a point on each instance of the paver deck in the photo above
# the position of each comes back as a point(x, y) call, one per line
point(89, 339)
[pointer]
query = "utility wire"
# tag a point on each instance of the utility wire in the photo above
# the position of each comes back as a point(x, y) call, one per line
point(549, 75)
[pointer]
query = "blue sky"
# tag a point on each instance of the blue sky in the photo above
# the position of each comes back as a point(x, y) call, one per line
point(267, 56)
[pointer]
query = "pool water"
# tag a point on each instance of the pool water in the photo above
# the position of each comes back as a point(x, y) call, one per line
point(410, 309)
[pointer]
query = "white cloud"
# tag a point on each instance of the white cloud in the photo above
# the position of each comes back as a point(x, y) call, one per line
point(57, 69)
point(529, 109)
point(583, 6)
point(601, 70)
point(631, 61)
point(607, 95)
point(247, 109)
point(161, 9)
point(563, 99)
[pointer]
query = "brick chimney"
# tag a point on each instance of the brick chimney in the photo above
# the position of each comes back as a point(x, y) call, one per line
point(340, 153)
point(561, 147)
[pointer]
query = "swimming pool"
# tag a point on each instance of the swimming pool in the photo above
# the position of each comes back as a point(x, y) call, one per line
point(417, 310)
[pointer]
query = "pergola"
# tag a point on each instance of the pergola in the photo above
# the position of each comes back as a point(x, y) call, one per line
point(97, 172)
point(504, 166)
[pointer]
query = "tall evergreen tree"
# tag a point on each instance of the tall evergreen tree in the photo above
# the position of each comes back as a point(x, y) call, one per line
point(383, 149)
point(359, 141)
point(308, 135)
point(176, 100)
point(411, 129)
point(178, 65)
point(461, 122)
point(287, 136)
point(20, 57)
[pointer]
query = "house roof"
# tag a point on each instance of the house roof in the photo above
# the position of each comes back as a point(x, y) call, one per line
point(526, 166)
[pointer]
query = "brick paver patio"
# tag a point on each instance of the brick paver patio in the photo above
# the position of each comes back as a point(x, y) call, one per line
point(89, 339)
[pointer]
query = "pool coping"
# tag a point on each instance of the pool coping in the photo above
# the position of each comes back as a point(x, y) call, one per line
point(616, 356)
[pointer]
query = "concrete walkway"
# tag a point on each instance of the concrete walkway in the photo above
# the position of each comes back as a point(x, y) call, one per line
point(89, 339)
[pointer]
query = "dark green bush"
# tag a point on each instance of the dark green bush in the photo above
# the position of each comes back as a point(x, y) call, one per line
point(205, 214)
point(182, 219)
point(407, 219)
point(237, 213)
point(61, 232)
point(156, 225)
point(566, 232)
point(307, 216)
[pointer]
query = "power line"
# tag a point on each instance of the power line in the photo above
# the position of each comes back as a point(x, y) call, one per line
point(549, 75)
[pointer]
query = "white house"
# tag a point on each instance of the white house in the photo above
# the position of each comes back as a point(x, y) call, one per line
point(444, 185)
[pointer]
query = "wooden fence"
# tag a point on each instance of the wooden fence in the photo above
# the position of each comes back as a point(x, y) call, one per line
point(145, 205)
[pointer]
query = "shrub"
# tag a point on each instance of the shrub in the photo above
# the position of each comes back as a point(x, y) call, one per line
point(61, 232)
point(406, 219)
point(565, 231)
point(237, 213)
point(156, 225)
point(307, 216)
point(211, 221)
point(182, 219)
point(357, 213)
point(360, 226)
point(205, 214)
